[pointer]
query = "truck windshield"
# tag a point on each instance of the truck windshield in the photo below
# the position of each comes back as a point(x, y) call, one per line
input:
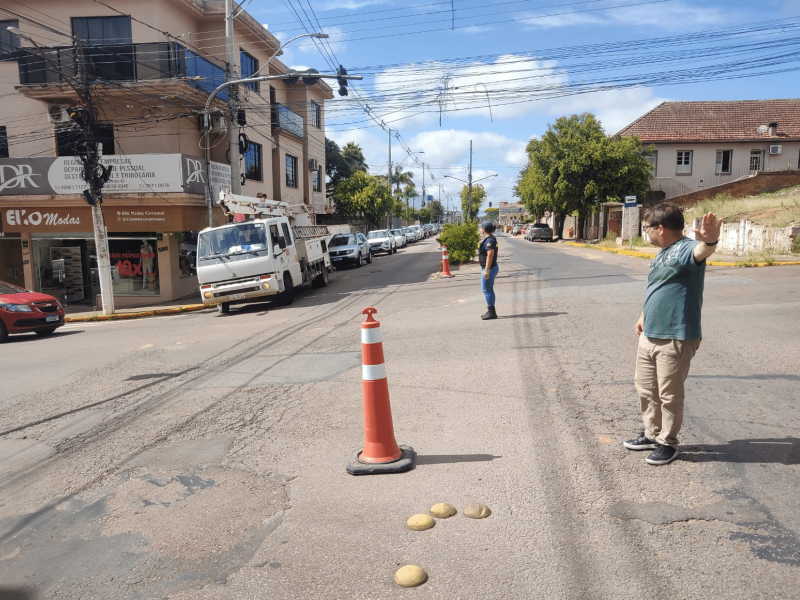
point(243, 237)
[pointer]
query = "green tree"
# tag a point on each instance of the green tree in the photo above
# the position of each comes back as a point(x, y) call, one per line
point(341, 163)
point(492, 214)
point(401, 177)
point(436, 210)
point(478, 196)
point(363, 196)
point(575, 167)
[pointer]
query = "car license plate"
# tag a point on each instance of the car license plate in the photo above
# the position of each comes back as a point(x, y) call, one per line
point(237, 296)
point(51, 318)
point(336, 258)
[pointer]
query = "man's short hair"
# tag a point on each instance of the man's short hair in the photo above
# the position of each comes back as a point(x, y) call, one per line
point(667, 214)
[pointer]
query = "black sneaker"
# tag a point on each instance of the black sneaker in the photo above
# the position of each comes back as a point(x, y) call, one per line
point(663, 455)
point(640, 443)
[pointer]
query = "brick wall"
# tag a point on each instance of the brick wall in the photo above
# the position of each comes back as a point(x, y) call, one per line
point(762, 183)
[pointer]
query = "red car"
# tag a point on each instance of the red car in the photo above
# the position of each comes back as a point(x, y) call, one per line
point(22, 311)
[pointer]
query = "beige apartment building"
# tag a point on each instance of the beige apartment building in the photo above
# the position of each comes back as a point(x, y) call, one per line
point(151, 65)
point(699, 145)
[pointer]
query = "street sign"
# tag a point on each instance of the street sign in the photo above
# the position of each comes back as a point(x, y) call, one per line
point(547, 213)
point(630, 201)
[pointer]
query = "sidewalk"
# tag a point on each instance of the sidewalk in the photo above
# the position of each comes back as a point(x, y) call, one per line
point(649, 252)
point(80, 314)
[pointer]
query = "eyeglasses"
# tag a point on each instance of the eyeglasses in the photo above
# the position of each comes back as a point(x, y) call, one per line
point(648, 227)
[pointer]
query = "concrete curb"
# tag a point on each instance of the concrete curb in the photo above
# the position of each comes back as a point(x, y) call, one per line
point(177, 310)
point(711, 263)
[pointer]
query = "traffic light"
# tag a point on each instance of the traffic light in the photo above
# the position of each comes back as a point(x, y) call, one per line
point(340, 74)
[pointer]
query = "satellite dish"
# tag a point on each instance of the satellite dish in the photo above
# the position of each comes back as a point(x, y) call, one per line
point(762, 129)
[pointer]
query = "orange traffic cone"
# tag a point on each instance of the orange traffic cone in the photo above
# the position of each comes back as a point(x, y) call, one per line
point(380, 454)
point(445, 262)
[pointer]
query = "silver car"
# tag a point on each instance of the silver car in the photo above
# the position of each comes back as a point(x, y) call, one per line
point(411, 234)
point(381, 240)
point(399, 237)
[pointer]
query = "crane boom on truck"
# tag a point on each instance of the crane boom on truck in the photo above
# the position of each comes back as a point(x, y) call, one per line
point(252, 259)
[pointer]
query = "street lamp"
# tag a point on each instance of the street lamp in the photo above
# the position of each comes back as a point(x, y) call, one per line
point(469, 183)
point(297, 37)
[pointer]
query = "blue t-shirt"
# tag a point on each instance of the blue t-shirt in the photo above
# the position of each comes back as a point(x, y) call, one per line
point(674, 295)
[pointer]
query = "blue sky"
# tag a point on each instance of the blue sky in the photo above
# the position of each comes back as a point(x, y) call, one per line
point(445, 73)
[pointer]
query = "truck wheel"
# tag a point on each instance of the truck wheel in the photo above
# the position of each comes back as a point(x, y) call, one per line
point(320, 280)
point(286, 297)
point(224, 307)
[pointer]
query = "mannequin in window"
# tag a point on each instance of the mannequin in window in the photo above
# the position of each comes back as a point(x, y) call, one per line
point(147, 260)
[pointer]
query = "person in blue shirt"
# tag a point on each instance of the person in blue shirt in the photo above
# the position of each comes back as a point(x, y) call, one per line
point(487, 255)
point(669, 326)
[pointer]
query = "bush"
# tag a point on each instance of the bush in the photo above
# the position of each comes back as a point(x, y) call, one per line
point(462, 241)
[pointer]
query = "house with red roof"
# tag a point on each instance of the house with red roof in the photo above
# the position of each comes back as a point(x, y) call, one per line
point(704, 144)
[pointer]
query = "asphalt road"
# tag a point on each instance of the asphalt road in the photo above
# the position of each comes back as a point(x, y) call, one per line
point(202, 456)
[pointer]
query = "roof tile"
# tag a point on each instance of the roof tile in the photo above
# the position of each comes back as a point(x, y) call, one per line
point(730, 120)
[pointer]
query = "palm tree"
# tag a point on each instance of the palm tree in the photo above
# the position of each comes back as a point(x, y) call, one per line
point(401, 177)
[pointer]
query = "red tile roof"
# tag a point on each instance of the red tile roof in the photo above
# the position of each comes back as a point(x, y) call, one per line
point(731, 120)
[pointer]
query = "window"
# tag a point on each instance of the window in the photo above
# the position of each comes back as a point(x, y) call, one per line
point(653, 160)
point(291, 171)
point(756, 160)
point(286, 234)
point(3, 142)
point(316, 114)
point(99, 31)
point(684, 163)
point(68, 139)
point(315, 180)
point(9, 43)
point(249, 66)
point(252, 162)
point(723, 166)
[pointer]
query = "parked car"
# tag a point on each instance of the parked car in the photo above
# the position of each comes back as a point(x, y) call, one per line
point(22, 311)
point(540, 231)
point(381, 240)
point(399, 237)
point(349, 249)
point(411, 234)
point(419, 231)
point(516, 230)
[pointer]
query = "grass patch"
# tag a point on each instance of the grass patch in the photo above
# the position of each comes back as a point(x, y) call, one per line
point(775, 209)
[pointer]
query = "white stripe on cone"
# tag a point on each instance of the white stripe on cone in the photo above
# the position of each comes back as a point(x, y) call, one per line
point(373, 372)
point(371, 336)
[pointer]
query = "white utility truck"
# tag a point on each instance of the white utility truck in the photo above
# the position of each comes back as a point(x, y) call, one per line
point(251, 260)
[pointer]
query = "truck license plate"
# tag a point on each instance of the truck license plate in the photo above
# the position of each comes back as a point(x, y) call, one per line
point(237, 296)
point(51, 318)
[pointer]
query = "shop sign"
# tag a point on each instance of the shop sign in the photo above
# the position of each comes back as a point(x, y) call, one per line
point(117, 218)
point(132, 174)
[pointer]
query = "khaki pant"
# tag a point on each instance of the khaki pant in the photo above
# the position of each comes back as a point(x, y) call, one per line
point(661, 369)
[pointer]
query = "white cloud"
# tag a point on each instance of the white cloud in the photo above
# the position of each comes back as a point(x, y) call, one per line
point(668, 15)
point(614, 108)
point(348, 4)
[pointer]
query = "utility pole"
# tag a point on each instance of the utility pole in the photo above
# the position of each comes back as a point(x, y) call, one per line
point(95, 175)
point(424, 197)
point(233, 97)
point(469, 191)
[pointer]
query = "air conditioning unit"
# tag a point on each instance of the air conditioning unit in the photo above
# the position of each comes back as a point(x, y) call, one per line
point(313, 164)
point(775, 149)
point(58, 113)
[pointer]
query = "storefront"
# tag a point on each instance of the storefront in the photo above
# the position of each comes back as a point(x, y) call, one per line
point(57, 254)
point(152, 214)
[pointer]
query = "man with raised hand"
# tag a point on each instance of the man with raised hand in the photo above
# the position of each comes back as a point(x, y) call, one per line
point(669, 326)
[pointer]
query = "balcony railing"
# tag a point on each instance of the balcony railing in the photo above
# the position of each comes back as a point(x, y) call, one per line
point(287, 120)
point(122, 63)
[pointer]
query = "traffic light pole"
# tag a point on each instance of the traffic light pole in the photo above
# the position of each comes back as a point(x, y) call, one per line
point(308, 78)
